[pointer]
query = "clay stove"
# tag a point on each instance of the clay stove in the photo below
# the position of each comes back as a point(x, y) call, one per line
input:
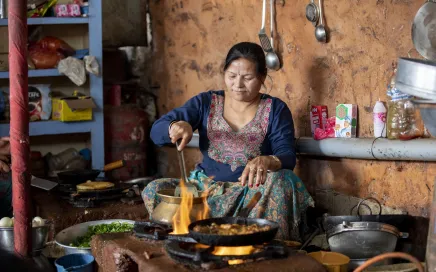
point(161, 251)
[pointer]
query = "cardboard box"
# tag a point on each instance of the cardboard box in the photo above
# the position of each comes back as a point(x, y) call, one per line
point(67, 109)
point(318, 117)
point(346, 121)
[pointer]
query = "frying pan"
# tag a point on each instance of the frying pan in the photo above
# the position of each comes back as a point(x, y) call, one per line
point(424, 30)
point(234, 240)
point(80, 176)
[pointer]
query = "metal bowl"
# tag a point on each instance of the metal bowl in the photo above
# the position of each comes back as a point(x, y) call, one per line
point(39, 237)
point(427, 109)
point(69, 235)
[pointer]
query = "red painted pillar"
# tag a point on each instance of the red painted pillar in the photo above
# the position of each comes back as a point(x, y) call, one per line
point(19, 130)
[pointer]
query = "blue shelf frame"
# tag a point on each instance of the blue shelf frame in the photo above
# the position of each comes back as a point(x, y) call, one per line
point(52, 128)
point(51, 21)
point(37, 73)
point(96, 126)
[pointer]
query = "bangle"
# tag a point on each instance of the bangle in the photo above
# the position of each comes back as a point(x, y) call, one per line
point(275, 158)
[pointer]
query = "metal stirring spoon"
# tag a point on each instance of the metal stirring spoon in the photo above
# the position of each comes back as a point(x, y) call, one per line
point(320, 32)
point(272, 60)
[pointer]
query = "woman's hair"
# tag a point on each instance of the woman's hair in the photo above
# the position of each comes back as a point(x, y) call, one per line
point(250, 51)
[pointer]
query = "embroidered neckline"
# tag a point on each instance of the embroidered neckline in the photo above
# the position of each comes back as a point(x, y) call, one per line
point(232, 147)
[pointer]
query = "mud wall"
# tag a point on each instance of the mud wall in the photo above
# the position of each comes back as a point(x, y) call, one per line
point(191, 39)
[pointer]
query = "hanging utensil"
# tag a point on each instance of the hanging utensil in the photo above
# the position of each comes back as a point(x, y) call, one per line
point(189, 186)
point(264, 41)
point(312, 13)
point(424, 30)
point(320, 32)
point(272, 60)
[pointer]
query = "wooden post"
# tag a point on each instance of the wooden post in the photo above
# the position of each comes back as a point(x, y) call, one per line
point(19, 127)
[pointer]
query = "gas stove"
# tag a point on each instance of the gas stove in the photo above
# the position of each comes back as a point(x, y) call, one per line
point(186, 251)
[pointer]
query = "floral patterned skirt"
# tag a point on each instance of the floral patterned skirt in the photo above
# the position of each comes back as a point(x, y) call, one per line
point(284, 199)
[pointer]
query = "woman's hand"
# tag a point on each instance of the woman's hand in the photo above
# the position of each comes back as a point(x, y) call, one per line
point(257, 168)
point(181, 130)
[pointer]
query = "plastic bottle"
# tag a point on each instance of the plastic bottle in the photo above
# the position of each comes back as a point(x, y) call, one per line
point(401, 119)
point(379, 119)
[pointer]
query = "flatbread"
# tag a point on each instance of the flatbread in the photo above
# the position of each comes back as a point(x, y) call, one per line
point(94, 185)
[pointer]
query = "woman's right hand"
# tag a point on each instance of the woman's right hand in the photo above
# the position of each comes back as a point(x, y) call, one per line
point(181, 130)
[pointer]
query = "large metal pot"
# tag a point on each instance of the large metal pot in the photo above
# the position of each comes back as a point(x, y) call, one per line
point(69, 235)
point(167, 208)
point(39, 238)
point(363, 240)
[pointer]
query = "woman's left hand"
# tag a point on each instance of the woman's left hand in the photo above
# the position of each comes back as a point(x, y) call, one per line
point(256, 168)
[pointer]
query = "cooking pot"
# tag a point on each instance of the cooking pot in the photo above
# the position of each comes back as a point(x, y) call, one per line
point(362, 240)
point(400, 221)
point(167, 208)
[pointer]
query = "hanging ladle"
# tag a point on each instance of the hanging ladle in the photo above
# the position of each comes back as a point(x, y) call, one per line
point(272, 60)
point(320, 32)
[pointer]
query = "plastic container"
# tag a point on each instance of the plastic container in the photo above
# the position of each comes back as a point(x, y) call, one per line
point(379, 119)
point(401, 119)
point(75, 263)
point(332, 261)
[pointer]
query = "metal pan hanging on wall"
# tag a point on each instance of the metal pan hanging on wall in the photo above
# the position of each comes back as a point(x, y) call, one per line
point(424, 30)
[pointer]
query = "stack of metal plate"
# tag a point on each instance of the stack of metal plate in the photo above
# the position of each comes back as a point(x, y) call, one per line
point(418, 78)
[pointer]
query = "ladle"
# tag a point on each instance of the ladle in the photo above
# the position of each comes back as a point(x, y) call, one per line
point(272, 60)
point(320, 32)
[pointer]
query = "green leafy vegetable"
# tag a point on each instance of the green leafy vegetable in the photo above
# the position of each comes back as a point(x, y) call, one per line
point(85, 240)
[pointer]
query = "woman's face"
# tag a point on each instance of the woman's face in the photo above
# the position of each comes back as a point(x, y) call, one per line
point(242, 81)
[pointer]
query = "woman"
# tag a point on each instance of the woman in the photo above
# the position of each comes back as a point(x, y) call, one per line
point(247, 142)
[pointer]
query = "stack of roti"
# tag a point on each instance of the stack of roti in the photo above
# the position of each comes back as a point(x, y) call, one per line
point(94, 185)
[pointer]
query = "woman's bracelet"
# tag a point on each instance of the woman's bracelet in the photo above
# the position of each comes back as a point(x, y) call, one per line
point(172, 123)
point(277, 160)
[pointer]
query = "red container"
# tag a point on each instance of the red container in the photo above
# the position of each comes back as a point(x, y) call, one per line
point(126, 134)
point(318, 117)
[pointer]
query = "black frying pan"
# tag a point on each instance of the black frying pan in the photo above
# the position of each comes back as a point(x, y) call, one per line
point(234, 240)
point(80, 176)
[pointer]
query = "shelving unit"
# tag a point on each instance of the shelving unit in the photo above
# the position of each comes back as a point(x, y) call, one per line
point(94, 127)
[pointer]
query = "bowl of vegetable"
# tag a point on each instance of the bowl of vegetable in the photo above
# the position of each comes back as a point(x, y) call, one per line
point(77, 239)
point(40, 230)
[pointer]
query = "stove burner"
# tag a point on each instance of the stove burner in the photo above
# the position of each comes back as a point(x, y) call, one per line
point(190, 254)
point(156, 231)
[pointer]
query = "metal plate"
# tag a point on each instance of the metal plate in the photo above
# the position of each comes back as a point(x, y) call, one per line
point(69, 235)
point(424, 31)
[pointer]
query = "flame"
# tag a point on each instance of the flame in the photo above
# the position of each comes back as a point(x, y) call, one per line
point(181, 219)
point(230, 251)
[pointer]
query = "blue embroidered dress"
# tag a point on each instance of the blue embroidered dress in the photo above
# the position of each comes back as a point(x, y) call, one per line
point(225, 154)
point(225, 151)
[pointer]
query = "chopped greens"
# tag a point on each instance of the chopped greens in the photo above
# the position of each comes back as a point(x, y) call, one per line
point(85, 240)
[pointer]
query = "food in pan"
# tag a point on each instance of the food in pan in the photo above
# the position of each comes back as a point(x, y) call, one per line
point(94, 185)
point(230, 229)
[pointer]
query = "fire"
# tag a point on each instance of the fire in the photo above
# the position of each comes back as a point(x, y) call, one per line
point(233, 251)
point(230, 251)
point(181, 219)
